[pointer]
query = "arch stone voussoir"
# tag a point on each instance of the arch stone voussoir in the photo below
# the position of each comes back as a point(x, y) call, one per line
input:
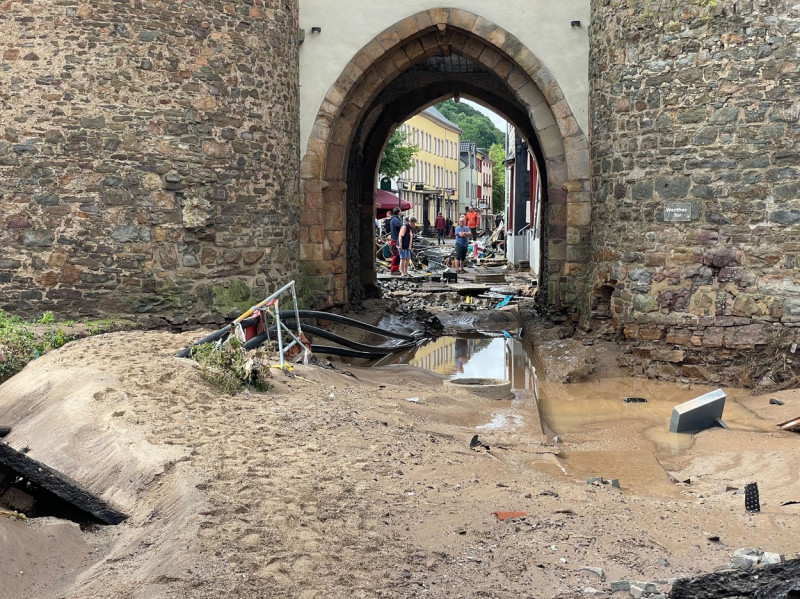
point(532, 96)
point(483, 28)
point(528, 61)
point(462, 19)
point(551, 141)
point(489, 57)
point(424, 21)
point(389, 39)
point(498, 38)
point(349, 106)
point(542, 117)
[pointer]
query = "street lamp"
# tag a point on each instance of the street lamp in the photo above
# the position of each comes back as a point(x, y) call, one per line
point(400, 183)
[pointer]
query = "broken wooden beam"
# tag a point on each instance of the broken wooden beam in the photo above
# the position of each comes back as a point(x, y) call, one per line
point(791, 425)
point(59, 485)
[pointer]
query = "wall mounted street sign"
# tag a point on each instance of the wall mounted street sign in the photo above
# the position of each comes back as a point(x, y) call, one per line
point(678, 211)
point(386, 184)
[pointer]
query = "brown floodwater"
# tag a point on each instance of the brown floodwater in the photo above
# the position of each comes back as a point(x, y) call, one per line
point(599, 435)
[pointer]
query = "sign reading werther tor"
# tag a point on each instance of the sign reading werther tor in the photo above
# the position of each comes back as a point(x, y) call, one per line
point(678, 211)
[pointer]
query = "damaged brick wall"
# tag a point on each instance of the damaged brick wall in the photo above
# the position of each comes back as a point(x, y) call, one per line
point(697, 108)
point(149, 155)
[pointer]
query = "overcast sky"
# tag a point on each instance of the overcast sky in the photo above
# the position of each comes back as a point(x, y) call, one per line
point(498, 121)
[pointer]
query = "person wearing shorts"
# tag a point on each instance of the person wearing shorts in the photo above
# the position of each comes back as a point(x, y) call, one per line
point(406, 242)
point(463, 235)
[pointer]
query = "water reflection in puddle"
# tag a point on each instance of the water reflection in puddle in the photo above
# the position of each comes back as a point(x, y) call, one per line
point(477, 357)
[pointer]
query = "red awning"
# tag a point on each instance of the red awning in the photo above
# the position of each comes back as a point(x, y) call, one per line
point(386, 201)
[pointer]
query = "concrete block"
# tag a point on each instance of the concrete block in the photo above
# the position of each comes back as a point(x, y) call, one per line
point(772, 558)
point(636, 592)
point(699, 413)
point(744, 561)
point(620, 585)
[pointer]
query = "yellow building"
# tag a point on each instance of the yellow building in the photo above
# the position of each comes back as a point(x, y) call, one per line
point(431, 185)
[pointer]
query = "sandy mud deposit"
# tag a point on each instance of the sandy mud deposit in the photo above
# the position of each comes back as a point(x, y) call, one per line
point(337, 485)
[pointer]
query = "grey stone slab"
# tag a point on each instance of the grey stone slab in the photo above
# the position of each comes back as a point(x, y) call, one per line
point(699, 413)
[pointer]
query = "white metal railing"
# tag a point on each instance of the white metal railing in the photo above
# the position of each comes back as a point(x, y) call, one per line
point(271, 307)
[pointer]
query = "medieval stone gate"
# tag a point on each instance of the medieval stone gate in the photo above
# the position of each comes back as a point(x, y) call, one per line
point(425, 58)
point(172, 158)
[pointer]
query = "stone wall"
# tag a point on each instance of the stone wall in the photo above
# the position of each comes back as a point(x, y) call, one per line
point(696, 108)
point(149, 155)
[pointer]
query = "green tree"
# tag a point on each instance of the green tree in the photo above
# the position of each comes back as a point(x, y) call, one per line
point(475, 126)
point(398, 156)
point(498, 154)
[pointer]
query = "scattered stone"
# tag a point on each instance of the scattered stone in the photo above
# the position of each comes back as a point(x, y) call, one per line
point(660, 561)
point(650, 587)
point(772, 558)
point(744, 561)
point(748, 551)
point(620, 585)
point(598, 572)
point(636, 591)
point(775, 401)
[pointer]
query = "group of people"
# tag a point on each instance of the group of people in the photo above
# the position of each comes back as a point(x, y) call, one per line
point(401, 237)
point(401, 240)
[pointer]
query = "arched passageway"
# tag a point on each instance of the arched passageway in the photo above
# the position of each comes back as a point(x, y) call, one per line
point(419, 61)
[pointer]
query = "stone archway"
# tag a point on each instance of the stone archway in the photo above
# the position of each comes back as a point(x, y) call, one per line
point(382, 86)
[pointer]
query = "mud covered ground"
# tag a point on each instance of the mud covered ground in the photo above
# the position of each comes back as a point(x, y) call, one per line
point(335, 485)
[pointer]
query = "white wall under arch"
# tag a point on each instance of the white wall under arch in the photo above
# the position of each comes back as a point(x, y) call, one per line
point(349, 25)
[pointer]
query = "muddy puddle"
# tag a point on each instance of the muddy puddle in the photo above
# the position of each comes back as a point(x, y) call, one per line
point(598, 434)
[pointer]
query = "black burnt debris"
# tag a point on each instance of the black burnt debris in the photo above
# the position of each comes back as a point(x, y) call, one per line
point(34, 489)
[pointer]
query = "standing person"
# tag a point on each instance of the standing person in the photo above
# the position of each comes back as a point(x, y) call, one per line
point(497, 220)
point(472, 222)
point(406, 239)
point(386, 221)
point(395, 224)
point(440, 224)
point(462, 243)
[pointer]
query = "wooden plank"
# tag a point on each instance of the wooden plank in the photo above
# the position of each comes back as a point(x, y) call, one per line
point(790, 425)
point(59, 485)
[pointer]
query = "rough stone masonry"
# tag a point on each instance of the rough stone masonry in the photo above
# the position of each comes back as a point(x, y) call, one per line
point(149, 153)
point(149, 160)
point(695, 138)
